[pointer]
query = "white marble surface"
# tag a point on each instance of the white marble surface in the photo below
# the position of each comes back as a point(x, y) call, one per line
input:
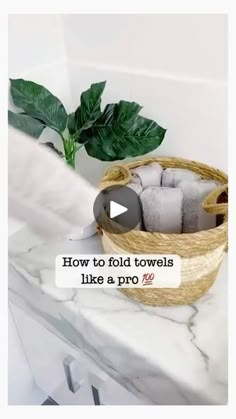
point(163, 355)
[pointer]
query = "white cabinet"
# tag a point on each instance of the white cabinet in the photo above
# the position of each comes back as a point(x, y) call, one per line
point(64, 373)
point(52, 362)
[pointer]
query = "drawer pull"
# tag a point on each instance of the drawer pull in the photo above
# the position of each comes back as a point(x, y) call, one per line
point(97, 380)
point(96, 398)
point(70, 365)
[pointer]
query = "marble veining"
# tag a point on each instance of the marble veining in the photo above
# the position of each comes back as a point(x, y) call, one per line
point(163, 355)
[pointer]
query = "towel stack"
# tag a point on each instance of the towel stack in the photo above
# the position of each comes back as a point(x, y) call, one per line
point(171, 199)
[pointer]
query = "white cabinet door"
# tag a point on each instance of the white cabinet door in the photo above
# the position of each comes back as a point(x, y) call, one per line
point(112, 393)
point(65, 374)
point(56, 367)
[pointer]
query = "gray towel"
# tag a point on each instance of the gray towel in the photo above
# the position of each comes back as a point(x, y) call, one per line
point(149, 175)
point(162, 209)
point(136, 187)
point(172, 176)
point(194, 216)
point(135, 179)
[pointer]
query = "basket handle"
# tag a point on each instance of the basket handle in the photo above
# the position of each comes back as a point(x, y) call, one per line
point(115, 175)
point(210, 204)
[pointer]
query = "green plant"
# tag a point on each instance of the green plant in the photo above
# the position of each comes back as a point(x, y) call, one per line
point(115, 133)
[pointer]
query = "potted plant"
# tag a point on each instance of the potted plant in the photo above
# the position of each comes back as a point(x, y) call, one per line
point(115, 133)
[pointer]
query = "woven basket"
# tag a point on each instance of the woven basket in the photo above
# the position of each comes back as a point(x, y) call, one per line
point(201, 252)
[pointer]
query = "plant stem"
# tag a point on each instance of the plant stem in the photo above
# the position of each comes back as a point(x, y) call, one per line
point(70, 148)
point(71, 161)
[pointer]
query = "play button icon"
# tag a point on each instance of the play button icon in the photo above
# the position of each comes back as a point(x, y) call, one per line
point(117, 209)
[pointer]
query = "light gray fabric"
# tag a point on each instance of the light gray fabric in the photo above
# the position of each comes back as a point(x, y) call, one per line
point(194, 216)
point(149, 175)
point(172, 176)
point(136, 187)
point(162, 209)
point(135, 179)
point(44, 192)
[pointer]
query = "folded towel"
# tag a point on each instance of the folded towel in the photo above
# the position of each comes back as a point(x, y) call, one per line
point(149, 175)
point(172, 176)
point(194, 216)
point(162, 209)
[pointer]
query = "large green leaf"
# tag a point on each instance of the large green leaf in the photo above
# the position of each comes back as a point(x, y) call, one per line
point(39, 103)
point(120, 132)
point(26, 124)
point(71, 123)
point(115, 116)
point(90, 106)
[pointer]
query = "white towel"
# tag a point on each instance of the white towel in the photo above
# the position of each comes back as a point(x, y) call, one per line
point(149, 175)
point(172, 176)
point(194, 216)
point(162, 209)
point(45, 192)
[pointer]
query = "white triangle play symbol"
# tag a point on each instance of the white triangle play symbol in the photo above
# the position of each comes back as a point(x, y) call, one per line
point(116, 209)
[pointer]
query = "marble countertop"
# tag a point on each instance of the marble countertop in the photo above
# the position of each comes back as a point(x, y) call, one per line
point(163, 355)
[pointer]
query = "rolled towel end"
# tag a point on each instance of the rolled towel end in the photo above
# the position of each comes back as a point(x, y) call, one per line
point(149, 175)
point(171, 176)
point(162, 209)
point(136, 187)
point(194, 217)
point(135, 179)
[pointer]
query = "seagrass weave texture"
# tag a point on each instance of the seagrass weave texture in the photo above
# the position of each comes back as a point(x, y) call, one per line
point(201, 252)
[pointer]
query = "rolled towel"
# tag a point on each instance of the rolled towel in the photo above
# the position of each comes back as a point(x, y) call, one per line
point(136, 187)
point(172, 176)
point(135, 179)
point(162, 209)
point(194, 216)
point(149, 175)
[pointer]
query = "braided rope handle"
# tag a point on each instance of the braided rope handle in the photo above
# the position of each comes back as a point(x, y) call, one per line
point(115, 175)
point(210, 204)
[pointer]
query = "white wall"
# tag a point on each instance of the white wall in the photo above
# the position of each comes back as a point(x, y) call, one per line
point(37, 52)
point(179, 45)
point(34, 41)
point(175, 66)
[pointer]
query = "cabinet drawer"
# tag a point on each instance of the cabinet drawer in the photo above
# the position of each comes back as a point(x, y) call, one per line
point(57, 368)
point(64, 373)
